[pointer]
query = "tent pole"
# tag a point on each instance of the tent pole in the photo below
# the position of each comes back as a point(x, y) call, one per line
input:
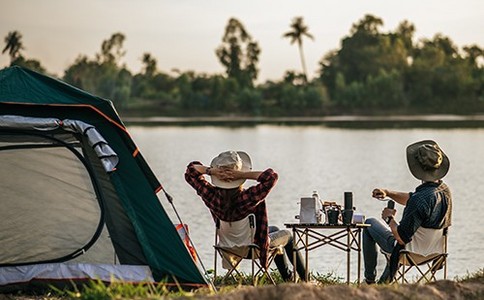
point(170, 199)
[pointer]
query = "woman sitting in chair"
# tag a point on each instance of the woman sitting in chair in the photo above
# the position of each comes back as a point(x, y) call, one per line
point(229, 202)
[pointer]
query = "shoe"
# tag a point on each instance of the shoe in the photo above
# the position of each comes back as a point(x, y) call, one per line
point(289, 277)
point(369, 282)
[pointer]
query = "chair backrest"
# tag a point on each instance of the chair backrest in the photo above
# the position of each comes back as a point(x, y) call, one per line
point(428, 241)
point(237, 233)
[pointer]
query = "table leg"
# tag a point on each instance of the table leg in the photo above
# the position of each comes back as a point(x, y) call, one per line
point(294, 249)
point(348, 254)
point(359, 254)
point(306, 243)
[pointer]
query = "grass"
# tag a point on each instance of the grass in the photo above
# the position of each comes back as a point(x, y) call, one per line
point(476, 276)
point(97, 290)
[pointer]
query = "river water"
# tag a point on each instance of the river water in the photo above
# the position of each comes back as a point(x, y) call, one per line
point(330, 161)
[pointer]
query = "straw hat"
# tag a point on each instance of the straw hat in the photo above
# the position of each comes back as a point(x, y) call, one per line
point(427, 161)
point(237, 160)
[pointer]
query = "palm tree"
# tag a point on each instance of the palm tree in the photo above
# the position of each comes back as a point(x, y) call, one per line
point(298, 31)
point(13, 42)
point(149, 63)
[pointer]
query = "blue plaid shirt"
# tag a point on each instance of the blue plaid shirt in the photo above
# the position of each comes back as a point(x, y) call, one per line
point(430, 206)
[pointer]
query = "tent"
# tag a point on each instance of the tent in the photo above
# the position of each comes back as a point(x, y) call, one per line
point(78, 200)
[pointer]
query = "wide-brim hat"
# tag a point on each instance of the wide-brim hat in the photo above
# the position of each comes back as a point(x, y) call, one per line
point(238, 160)
point(427, 161)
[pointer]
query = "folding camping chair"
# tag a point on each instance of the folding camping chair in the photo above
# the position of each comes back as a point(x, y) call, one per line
point(234, 242)
point(426, 254)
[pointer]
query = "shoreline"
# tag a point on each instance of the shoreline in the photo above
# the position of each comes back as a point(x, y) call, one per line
point(450, 121)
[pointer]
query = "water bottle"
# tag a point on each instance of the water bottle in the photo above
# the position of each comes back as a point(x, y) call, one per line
point(317, 205)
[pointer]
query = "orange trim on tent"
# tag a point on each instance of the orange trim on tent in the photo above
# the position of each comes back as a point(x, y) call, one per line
point(136, 152)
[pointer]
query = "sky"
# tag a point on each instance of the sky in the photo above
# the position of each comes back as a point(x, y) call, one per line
point(183, 34)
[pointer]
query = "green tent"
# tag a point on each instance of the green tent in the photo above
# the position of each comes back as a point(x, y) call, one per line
point(77, 193)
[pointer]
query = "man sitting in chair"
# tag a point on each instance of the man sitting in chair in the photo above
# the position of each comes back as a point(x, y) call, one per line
point(230, 202)
point(429, 206)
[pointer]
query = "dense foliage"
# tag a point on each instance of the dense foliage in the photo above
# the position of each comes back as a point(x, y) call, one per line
point(372, 72)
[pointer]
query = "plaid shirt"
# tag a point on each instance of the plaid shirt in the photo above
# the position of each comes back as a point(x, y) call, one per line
point(430, 206)
point(250, 200)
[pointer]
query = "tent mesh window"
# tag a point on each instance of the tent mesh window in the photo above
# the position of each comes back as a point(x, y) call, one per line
point(51, 210)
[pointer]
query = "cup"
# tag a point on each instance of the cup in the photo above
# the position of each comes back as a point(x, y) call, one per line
point(358, 218)
point(347, 216)
point(333, 216)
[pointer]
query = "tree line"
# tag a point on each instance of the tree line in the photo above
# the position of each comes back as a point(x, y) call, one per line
point(372, 72)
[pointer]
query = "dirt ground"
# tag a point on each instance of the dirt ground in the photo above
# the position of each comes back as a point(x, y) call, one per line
point(442, 290)
point(472, 289)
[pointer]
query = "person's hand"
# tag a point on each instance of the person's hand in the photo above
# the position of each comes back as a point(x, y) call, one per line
point(387, 212)
point(379, 193)
point(226, 174)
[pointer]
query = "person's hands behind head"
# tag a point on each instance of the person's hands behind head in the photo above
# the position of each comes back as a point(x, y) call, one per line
point(226, 174)
point(379, 193)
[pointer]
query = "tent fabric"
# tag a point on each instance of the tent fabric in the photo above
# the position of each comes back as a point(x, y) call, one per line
point(105, 153)
point(124, 204)
point(75, 271)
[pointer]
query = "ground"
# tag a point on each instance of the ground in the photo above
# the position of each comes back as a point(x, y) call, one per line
point(443, 289)
point(471, 289)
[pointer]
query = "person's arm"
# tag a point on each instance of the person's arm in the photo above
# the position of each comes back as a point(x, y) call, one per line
point(201, 169)
point(399, 197)
point(194, 176)
point(230, 175)
point(266, 181)
point(393, 226)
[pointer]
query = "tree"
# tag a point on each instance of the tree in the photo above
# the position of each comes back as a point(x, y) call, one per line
point(31, 64)
point(103, 76)
point(149, 64)
point(112, 49)
point(405, 32)
point(239, 53)
point(297, 33)
point(13, 42)
point(368, 59)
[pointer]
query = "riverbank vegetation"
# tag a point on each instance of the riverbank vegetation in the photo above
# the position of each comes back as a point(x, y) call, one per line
point(372, 72)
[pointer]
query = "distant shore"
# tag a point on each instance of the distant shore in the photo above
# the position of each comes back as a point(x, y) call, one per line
point(336, 121)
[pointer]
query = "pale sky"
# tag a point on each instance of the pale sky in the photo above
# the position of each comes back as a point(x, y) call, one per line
point(183, 34)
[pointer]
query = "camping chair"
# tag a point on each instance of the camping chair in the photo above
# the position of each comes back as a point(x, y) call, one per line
point(426, 254)
point(234, 242)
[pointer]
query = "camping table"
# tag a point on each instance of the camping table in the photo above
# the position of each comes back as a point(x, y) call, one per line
point(312, 236)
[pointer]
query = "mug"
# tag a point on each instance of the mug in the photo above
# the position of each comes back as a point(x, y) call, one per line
point(333, 216)
point(347, 216)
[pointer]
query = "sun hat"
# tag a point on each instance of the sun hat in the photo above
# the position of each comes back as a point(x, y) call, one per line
point(427, 161)
point(237, 160)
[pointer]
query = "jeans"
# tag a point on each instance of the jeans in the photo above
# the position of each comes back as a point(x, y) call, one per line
point(284, 238)
point(377, 234)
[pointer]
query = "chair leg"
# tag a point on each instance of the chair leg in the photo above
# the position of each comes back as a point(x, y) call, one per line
point(424, 275)
point(252, 255)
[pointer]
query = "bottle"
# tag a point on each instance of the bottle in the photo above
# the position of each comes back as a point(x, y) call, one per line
point(317, 205)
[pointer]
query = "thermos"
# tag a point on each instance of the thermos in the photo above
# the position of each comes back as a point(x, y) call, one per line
point(348, 209)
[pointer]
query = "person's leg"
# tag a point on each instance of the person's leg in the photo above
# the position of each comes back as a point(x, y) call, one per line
point(280, 259)
point(284, 238)
point(377, 233)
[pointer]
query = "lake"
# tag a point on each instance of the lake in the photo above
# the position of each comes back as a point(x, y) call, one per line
point(330, 161)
